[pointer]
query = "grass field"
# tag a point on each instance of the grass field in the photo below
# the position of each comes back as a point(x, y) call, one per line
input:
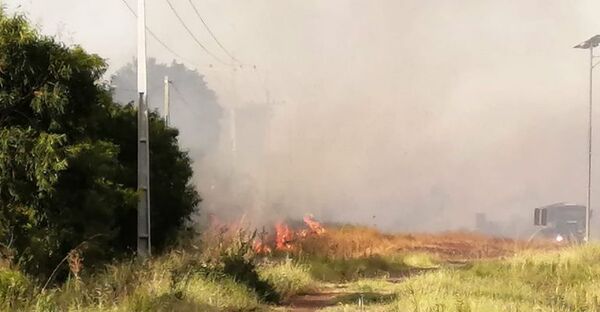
point(360, 268)
point(566, 280)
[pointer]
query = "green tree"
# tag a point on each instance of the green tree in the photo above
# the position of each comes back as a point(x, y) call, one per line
point(172, 196)
point(68, 156)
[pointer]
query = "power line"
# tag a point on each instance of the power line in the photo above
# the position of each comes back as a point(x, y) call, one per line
point(180, 95)
point(155, 37)
point(129, 7)
point(183, 99)
point(210, 31)
point(189, 31)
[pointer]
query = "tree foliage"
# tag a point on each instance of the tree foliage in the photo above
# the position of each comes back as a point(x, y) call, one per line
point(193, 104)
point(172, 197)
point(68, 156)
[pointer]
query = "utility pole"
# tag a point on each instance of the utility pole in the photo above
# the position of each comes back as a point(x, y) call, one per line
point(589, 44)
point(233, 134)
point(143, 179)
point(166, 101)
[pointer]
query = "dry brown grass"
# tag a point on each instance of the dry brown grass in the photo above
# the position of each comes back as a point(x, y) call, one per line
point(358, 241)
point(353, 241)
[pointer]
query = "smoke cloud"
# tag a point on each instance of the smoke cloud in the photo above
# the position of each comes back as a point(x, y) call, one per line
point(410, 115)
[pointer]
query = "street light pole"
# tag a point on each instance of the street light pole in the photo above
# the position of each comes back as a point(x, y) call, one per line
point(589, 190)
point(589, 44)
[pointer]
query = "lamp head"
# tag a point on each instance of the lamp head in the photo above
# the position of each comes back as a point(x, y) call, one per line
point(590, 43)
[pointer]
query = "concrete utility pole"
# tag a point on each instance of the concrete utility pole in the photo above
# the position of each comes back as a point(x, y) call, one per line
point(166, 101)
point(143, 224)
point(233, 134)
point(589, 44)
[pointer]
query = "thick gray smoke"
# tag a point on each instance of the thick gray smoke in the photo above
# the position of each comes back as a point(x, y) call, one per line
point(411, 115)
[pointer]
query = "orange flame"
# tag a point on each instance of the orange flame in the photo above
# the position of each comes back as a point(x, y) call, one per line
point(313, 225)
point(283, 236)
point(261, 248)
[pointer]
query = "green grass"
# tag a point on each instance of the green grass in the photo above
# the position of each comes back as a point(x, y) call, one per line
point(563, 281)
point(289, 278)
point(558, 281)
point(337, 270)
point(169, 283)
point(421, 261)
point(14, 287)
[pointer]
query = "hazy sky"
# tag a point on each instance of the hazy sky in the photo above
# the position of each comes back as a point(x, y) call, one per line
point(418, 112)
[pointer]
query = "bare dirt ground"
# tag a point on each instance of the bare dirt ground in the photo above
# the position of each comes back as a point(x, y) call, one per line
point(330, 296)
point(312, 302)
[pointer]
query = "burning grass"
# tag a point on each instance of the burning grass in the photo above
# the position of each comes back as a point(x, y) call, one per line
point(310, 238)
point(348, 253)
point(356, 241)
point(286, 238)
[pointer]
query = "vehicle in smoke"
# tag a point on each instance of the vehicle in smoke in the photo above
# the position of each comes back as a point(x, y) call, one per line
point(561, 222)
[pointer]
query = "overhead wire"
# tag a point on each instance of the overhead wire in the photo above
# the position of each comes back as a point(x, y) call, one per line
point(177, 55)
point(155, 37)
point(184, 100)
point(189, 31)
point(211, 32)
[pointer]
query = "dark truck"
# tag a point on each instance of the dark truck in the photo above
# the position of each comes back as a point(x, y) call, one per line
point(561, 222)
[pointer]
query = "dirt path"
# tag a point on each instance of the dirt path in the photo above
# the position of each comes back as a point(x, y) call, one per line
point(311, 302)
point(330, 295)
point(326, 297)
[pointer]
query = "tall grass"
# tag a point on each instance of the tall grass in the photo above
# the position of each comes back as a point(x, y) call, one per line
point(168, 283)
point(289, 278)
point(14, 287)
point(223, 276)
point(222, 273)
point(335, 270)
point(559, 281)
point(358, 241)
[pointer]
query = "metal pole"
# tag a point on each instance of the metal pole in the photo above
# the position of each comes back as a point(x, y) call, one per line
point(589, 190)
point(143, 224)
point(166, 101)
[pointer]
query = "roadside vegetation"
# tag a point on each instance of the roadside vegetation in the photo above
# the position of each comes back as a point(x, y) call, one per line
point(221, 272)
point(222, 277)
point(565, 280)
